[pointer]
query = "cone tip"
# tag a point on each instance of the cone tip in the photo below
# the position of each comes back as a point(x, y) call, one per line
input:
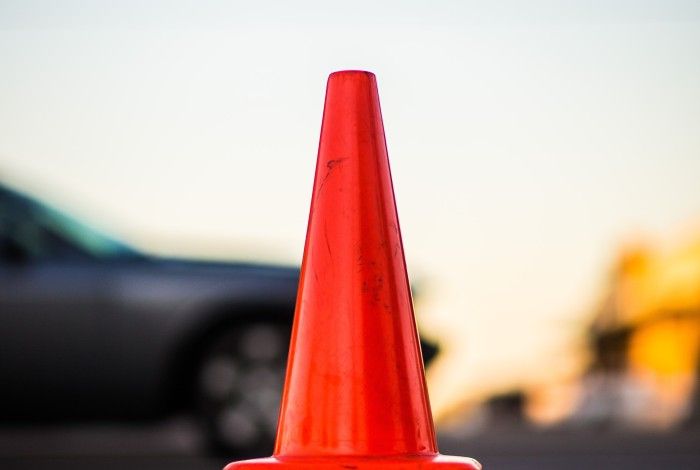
point(351, 74)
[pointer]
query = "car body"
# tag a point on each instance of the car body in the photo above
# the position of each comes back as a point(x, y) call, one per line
point(94, 329)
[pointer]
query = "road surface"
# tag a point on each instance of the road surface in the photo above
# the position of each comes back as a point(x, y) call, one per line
point(178, 446)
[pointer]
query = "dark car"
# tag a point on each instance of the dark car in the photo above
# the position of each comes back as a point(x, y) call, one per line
point(91, 329)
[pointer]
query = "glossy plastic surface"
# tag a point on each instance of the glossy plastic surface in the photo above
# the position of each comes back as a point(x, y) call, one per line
point(355, 393)
point(418, 462)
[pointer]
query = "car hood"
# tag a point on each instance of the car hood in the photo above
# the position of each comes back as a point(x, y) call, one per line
point(227, 269)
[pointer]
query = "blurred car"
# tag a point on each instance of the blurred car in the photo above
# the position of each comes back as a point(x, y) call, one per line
point(92, 329)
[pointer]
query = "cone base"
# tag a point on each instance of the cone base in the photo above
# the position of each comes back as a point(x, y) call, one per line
point(438, 462)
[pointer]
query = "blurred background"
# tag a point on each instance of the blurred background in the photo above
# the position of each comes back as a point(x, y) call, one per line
point(156, 167)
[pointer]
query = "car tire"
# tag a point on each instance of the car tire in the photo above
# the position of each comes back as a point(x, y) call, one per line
point(239, 387)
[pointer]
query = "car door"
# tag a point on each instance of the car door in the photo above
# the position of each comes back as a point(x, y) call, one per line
point(51, 296)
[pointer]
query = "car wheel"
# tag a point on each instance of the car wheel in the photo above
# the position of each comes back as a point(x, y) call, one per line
point(239, 386)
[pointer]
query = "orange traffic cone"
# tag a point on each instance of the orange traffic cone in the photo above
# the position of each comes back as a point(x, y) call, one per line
point(355, 394)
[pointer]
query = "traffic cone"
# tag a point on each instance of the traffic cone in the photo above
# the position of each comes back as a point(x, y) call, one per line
point(355, 394)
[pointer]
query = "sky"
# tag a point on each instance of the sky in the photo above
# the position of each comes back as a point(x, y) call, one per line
point(528, 141)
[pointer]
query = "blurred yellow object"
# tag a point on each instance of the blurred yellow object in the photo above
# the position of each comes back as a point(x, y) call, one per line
point(647, 335)
point(651, 284)
point(666, 347)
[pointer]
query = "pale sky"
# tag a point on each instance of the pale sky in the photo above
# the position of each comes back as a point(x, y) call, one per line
point(527, 141)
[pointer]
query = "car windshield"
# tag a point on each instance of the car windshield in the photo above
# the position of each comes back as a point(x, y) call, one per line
point(45, 232)
point(89, 239)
